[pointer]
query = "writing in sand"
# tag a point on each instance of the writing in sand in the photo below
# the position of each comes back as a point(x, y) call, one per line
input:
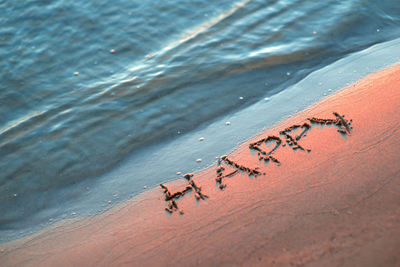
point(224, 163)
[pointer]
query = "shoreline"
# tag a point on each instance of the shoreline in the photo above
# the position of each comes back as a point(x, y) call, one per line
point(147, 168)
point(336, 205)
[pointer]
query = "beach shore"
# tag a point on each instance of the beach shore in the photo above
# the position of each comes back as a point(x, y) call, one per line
point(338, 205)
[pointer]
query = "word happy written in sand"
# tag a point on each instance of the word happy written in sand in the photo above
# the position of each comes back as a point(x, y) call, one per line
point(291, 140)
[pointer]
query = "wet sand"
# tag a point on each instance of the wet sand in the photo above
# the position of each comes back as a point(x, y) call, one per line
point(338, 205)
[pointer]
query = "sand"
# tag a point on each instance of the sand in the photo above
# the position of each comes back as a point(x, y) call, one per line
point(335, 206)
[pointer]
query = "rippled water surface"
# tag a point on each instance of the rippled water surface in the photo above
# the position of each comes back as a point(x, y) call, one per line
point(84, 84)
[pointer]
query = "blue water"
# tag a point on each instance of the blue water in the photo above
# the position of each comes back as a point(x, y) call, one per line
point(147, 73)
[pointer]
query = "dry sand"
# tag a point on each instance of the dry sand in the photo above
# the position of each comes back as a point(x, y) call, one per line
point(336, 206)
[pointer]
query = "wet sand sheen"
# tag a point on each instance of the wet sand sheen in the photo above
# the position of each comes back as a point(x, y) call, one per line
point(338, 205)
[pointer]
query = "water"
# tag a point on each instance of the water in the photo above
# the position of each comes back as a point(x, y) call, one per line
point(177, 66)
